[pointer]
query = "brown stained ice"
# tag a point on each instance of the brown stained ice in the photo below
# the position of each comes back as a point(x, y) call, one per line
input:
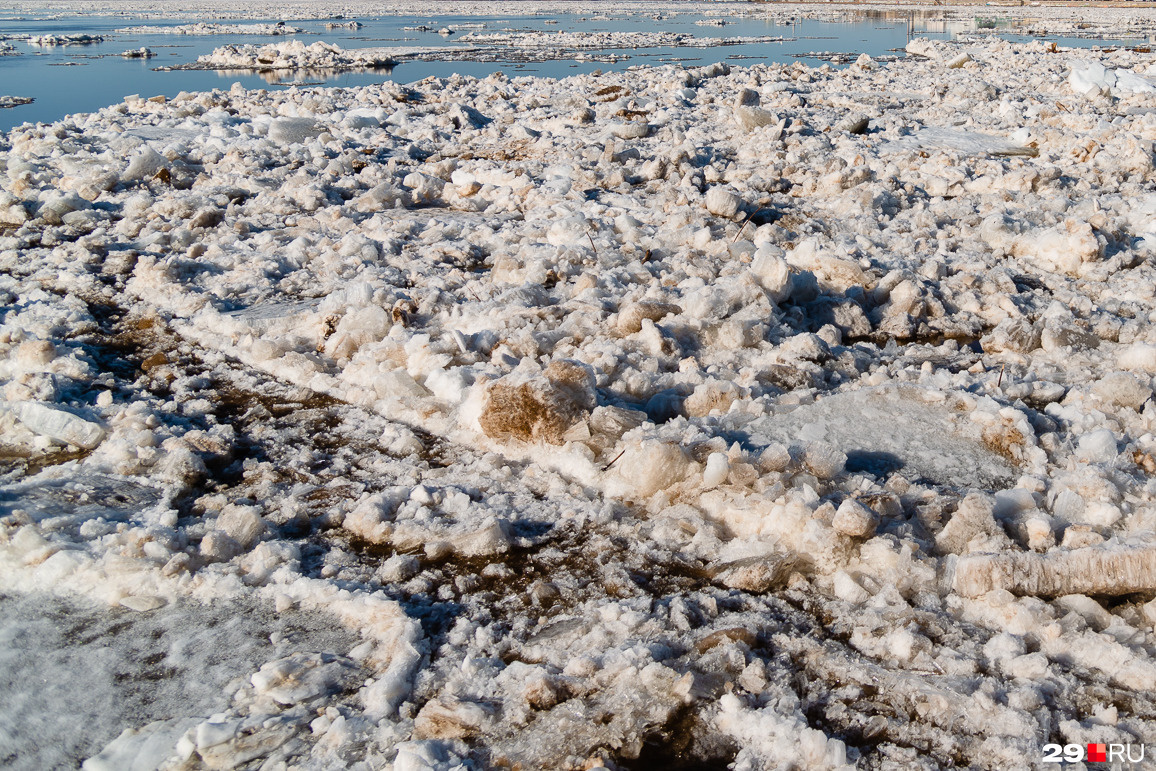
point(541, 408)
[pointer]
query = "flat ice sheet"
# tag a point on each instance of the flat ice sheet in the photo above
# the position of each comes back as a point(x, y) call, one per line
point(891, 428)
point(968, 142)
point(75, 675)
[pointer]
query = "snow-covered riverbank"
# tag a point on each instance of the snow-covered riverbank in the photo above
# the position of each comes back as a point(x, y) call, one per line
point(758, 415)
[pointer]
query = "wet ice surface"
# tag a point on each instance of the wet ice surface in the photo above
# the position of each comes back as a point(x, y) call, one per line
point(671, 415)
point(76, 674)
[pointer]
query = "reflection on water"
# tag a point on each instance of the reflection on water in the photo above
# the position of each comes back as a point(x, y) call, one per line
point(301, 77)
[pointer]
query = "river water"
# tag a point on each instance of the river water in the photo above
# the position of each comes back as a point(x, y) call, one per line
point(82, 78)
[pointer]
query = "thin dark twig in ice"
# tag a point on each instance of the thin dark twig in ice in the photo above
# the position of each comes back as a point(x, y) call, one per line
point(750, 216)
point(616, 457)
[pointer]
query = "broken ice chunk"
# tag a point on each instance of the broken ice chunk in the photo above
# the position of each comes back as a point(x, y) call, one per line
point(772, 272)
point(854, 519)
point(1013, 335)
point(723, 202)
point(301, 677)
point(1094, 78)
point(911, 428)
point(242, 523)
point(1139, 357)
point(633, 129)
point(751, 118)
point(710, 396)
point(1123, 389)
point(291, 131)
point(217, 546)
point(630, 318)
point(928, 49)
point(58, 424)
point(958, 61)
point(972, 526)
point(731, 635)
point(450, 719)
point(853, 123)
point(966, 142)
point(1062, 249)
point(539, 408)
point(848, 589)
point(1129, 82)
point(651, 466)
point(824, 460)
point(1098, 570)
point(615, 421)
point(757, 574)
point(490, 539)
point(717, 469)
point(145, 165)
point(1098, 446)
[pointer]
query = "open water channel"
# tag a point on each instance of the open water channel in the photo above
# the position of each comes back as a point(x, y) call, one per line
point(65, 79)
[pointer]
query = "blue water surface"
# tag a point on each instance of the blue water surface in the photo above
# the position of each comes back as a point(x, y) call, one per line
point(73, 79)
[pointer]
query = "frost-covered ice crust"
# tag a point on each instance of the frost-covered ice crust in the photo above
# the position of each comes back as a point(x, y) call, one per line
point(210, 28)
point(497, 46)
point(768, 416)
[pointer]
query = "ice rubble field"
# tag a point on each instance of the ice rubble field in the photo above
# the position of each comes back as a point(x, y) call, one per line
point(774, 417)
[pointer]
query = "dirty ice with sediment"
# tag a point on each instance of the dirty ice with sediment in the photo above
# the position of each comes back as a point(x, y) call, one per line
point(766, 417)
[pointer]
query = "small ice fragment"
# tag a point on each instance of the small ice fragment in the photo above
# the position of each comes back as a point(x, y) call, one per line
point(723, 202)
point(292, 131)
point(751, 118)
point(450, 719)
point(958, 61)
point(634, 129)
point(853, 123)
point(854, 519)
point(848, 589)
point(1094, 78)
point(717, 468)
point(145, 165)
point(756, 574)
point(142, 603)
point(1098, 446)
point(652, 466)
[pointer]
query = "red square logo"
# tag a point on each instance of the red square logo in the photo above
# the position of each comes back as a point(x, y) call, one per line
point(1097, 753)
